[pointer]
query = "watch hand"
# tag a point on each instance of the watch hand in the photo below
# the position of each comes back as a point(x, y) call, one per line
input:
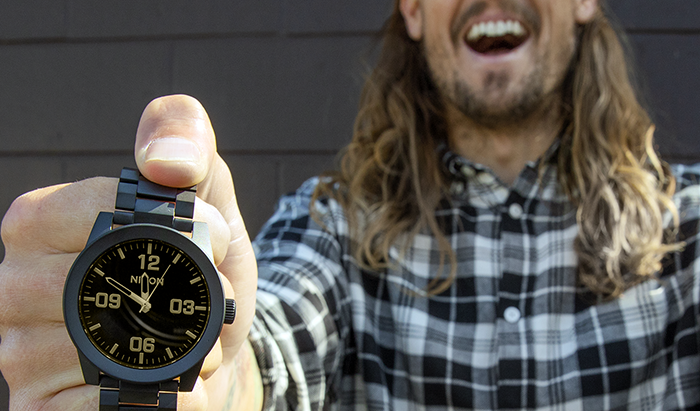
point(116, 284)
point(153, 290)
point(144, 286)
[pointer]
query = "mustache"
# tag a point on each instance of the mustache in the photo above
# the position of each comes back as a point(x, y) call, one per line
point(522, 11)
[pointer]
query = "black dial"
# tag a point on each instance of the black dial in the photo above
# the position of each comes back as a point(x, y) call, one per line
point(144, 303)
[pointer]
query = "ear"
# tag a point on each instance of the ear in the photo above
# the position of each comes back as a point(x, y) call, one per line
point(413, 16)
point(585, 10)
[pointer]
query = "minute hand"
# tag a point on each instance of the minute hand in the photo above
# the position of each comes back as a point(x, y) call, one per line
point(145, 305)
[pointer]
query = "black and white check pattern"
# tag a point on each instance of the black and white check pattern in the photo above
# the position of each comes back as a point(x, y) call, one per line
point(512, 333)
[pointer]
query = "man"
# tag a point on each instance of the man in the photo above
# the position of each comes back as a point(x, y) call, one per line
point(499, 236)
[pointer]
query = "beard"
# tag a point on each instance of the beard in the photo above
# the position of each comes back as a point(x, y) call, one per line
point(493, 103)
point(498, 99)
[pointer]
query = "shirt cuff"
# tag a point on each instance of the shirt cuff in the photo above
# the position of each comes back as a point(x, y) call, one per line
point(272, 366)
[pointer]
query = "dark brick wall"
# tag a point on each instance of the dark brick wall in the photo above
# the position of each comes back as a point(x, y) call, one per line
point(279, 78)
point(665, 38)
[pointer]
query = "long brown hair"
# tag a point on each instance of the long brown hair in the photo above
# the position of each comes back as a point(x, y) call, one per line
point(611, 171)
point(390, 180)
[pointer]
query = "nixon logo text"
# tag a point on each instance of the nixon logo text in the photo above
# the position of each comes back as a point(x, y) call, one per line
point(139, 279)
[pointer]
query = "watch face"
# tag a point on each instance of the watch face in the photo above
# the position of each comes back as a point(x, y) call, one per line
point(144, 303)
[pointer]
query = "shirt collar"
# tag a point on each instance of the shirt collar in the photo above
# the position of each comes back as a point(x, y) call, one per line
point(480, 185)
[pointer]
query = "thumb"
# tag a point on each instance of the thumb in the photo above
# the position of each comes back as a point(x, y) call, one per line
point(176, 147)
point(175, 143)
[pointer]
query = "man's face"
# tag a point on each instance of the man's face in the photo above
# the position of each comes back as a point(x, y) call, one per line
point(497, 60)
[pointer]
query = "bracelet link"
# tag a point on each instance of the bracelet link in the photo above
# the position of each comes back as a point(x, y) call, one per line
point(142, 201)
point(124, 396)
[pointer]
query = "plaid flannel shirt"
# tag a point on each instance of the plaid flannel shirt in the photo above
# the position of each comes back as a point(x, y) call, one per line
point(511, 333)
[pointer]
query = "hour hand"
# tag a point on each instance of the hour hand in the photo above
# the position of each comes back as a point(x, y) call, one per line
point(145, 305)
point(144, 286)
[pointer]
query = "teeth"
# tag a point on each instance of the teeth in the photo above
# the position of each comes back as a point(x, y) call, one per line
point(496, 29)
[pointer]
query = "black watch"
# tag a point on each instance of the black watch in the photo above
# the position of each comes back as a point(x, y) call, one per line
point(143, 302)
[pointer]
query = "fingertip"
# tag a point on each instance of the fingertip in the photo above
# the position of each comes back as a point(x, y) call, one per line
point(197, 400)
point(175, 142)
point(212, 361)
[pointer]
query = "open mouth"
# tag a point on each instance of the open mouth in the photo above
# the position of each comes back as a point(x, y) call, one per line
point(496, 37)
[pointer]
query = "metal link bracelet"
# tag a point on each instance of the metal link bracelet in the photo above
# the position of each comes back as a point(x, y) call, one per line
point(142, 201)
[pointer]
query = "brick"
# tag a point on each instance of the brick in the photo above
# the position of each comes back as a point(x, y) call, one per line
point(78, 97)
point(255, 181)
point(126, 18)
point(4, 389)
point(281, 93)
point(669, 64)
point(653, 14)
point(294, 170)
point(32, 19)
point(86, 166)
point(313, 16)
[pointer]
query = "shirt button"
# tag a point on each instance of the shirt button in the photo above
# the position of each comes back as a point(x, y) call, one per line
point(467, 171)
point(511, 314)
point(486, 178)
point(515, 211)
point(457, 188)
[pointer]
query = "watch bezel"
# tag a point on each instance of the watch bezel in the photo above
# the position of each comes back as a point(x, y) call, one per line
point(133, 232)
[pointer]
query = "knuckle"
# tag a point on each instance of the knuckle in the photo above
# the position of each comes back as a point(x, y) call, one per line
point(23, 354)
point(9, 296)
point(24, 282)
point(19, 218)
point(27, 222)
point(13, 357)
point(219, 230)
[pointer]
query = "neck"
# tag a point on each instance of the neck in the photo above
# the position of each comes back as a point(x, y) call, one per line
point(504, 148)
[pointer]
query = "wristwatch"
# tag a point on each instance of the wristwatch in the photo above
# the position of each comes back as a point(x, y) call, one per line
point(143, 302)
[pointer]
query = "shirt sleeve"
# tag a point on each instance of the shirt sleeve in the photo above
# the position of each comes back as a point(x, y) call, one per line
point(683, 329)
point(302, 319)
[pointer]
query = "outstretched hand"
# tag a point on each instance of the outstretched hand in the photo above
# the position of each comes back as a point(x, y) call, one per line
point(44, 230)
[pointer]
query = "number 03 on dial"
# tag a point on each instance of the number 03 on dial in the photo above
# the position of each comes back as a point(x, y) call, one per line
point(144, 303)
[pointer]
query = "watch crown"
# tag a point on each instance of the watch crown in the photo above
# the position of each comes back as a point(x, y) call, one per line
point(230, 314)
